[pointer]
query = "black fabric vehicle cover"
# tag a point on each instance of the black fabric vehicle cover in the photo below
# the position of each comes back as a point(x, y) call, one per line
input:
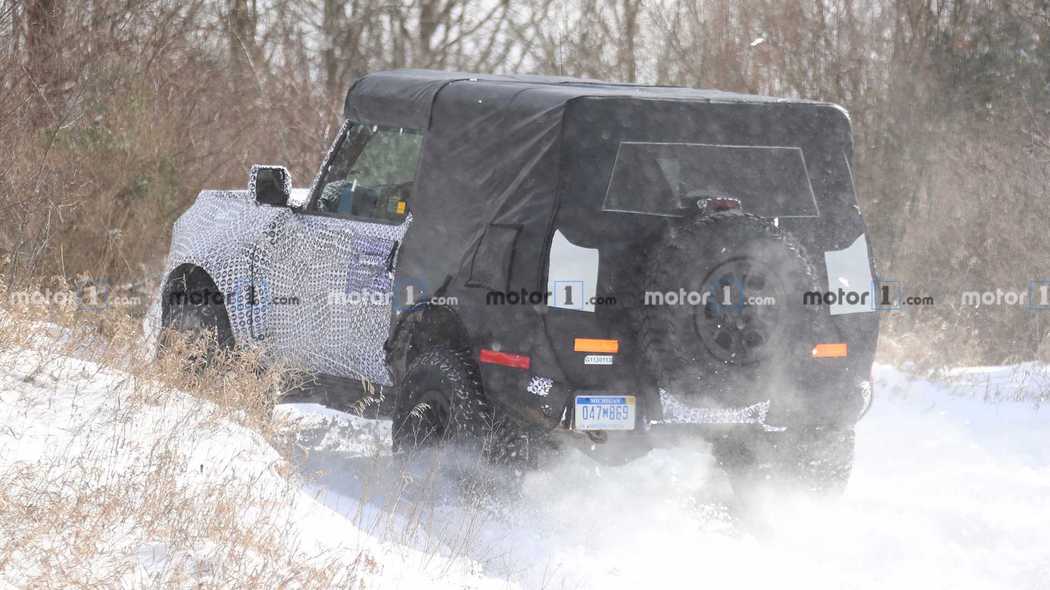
point(493, 170)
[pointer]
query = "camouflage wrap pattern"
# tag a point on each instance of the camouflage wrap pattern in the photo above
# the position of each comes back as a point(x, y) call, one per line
point(313, 290)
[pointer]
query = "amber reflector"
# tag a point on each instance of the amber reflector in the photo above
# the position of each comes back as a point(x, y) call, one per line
point(830, 350)
point(596, 345)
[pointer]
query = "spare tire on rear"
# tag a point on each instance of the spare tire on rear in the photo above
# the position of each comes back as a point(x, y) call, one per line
point(724, 319)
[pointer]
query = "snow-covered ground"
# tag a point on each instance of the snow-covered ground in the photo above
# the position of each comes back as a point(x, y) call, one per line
point(109, 482)
point(951, 489)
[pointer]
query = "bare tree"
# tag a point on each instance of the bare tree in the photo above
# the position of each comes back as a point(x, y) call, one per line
point(44, 56)
point(241, 20)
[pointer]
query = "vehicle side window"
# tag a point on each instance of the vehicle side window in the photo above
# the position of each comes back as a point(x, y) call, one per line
point(372, 174)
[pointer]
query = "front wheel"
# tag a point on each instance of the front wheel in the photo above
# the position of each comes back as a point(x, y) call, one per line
point(202, 325)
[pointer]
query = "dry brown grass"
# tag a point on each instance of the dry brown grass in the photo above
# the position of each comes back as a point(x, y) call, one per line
point(118, 506)
point(83, 515)
point(130, 122)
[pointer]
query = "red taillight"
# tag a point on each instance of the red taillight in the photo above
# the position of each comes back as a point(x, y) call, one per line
point(517, 361)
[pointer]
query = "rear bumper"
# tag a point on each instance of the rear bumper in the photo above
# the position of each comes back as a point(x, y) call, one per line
point(825, 391)
point(676, 412)
point(822, 396)
point(674, 429)
point(680, 425)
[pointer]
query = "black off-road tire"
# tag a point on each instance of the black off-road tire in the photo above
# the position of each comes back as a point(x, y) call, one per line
point(814, 460)
point(207, 320)
point(440, 398)
point(716, 350)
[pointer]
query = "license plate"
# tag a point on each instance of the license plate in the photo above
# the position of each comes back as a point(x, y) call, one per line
point(605, 412)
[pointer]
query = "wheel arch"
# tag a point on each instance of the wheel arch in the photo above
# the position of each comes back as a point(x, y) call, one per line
point(421, 328)
point(183, 280)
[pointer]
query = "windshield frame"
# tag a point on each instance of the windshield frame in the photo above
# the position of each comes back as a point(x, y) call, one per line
point(310, 206)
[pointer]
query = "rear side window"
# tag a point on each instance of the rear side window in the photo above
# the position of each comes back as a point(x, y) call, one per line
point(372, 174)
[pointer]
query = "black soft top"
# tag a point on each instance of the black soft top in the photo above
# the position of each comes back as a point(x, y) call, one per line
point(508, 159)
point(405, 97)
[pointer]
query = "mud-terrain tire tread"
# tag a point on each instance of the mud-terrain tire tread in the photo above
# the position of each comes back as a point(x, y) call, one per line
point(472, 418)
point(203, 321)
point(664, 352)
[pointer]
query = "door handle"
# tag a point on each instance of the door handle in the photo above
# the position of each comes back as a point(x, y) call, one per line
point(392, 257)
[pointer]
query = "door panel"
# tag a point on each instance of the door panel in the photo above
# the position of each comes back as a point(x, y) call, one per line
point(323, 277)
point(352, 260)
point(285, 314)
point(358, 214)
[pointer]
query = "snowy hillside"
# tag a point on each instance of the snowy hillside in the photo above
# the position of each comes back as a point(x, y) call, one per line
point(951, 489)
point(160, 489)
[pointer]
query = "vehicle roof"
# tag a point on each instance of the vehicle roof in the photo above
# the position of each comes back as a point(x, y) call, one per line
point(507, 157)
point(406, 97)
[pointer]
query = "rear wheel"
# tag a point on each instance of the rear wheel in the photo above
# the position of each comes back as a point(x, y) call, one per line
point(815, 460)
point(742, 340)
point(440, 399)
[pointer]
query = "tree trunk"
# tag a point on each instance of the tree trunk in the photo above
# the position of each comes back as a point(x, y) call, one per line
point(628, 56)
point(44, 63)
point(329, 57)
point(240, 29)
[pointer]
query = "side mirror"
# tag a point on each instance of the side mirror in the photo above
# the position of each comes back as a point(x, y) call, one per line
point(270, 185)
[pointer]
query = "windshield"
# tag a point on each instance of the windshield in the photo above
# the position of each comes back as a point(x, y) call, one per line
point(372, 174)
point(670, 179)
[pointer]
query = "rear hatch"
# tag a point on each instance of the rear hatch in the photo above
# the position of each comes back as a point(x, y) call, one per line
point(635, 164)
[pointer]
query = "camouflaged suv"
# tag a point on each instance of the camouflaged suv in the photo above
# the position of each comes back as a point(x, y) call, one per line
point(558, 260)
